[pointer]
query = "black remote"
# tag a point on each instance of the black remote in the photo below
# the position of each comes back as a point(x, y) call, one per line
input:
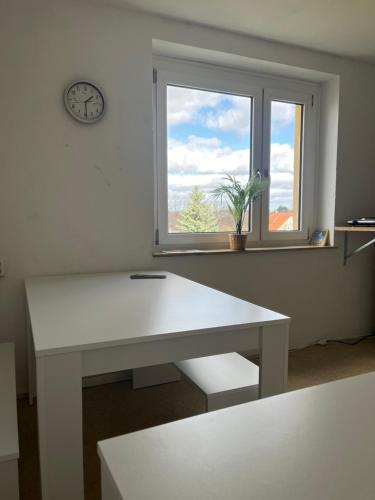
point(148, 276)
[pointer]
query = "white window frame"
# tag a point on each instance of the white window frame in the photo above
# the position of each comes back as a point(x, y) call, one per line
point(259, 88)
point(307, 173)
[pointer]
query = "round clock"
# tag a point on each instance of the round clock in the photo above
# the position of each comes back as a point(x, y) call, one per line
point(84, 101)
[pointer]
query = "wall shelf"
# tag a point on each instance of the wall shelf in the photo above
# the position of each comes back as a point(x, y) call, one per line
point(354, 229)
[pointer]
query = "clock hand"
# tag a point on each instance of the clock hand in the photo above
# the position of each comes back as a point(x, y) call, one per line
point(89, 99)
point(85, 109)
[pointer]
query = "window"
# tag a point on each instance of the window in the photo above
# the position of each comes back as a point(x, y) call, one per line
point(210, 122)
point(284, 198)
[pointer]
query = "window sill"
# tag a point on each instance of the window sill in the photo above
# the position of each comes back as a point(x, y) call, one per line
point(179, 253)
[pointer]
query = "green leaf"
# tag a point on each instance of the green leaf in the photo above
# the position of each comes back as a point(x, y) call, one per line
point(237, 197)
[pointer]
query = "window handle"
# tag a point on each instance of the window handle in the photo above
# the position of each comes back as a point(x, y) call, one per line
point(258, 174)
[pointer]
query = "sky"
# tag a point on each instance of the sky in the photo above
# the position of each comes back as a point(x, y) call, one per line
point(209, 135)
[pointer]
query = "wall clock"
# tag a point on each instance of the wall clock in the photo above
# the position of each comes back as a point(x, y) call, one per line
point(84, 101)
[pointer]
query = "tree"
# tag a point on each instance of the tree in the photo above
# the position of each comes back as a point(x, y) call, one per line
point(197, 216)
point(282, 209)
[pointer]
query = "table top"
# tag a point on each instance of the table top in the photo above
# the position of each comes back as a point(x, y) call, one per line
point(81, 312)
point(308, 444)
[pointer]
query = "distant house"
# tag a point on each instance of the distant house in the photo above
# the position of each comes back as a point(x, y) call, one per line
point(281, 221)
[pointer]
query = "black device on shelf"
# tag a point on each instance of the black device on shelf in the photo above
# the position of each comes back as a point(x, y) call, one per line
point(363, 221)
point(148, 276)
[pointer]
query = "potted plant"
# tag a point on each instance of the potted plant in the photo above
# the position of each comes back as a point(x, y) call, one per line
point(238, 199)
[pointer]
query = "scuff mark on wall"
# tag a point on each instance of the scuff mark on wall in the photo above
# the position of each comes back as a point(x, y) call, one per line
point(106, 180)
point(33, 215)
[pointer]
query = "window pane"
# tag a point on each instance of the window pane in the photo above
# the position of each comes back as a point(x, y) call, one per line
point(209, 135)
point(285, 166)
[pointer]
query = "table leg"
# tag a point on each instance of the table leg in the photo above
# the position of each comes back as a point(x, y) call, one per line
point(108, 489)
point(30, 359)
point(9, 480)
point(59, 399)
point(273, 373)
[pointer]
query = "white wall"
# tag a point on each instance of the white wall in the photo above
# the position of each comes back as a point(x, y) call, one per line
point(326, 179)
point(76, 198)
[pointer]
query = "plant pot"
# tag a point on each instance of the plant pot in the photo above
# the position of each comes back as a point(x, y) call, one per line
point(237, 241)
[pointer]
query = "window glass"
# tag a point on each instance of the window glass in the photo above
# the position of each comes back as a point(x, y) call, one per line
point(209, 135)
point(285, 166)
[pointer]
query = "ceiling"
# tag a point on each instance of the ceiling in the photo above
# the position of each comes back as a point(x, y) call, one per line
point(343, 27)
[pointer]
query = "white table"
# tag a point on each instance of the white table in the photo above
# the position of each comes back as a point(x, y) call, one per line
point(316, 443)
point(85, 325)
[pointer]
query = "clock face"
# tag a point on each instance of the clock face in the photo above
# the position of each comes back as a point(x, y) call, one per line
point(84, 102)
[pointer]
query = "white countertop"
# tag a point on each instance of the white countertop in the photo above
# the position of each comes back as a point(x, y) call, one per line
point(77, 312)
point(316, 443)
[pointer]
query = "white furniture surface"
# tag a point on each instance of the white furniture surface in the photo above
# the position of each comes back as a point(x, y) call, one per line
point(154, 375)
point(83, 325)
point(316, 443)
point(9, 452)
point(225, 379)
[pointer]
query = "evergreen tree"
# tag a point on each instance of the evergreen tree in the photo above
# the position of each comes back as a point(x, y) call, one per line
point(197, 216)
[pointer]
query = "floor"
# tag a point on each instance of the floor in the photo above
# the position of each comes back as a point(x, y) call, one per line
point(115, 409)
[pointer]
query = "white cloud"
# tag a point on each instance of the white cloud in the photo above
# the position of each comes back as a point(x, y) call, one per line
point(282, 158)
point(203, 162)
point(282, 175)
point(235, 119)
point(283, 114)
point(206, 155)
point(183, 104)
